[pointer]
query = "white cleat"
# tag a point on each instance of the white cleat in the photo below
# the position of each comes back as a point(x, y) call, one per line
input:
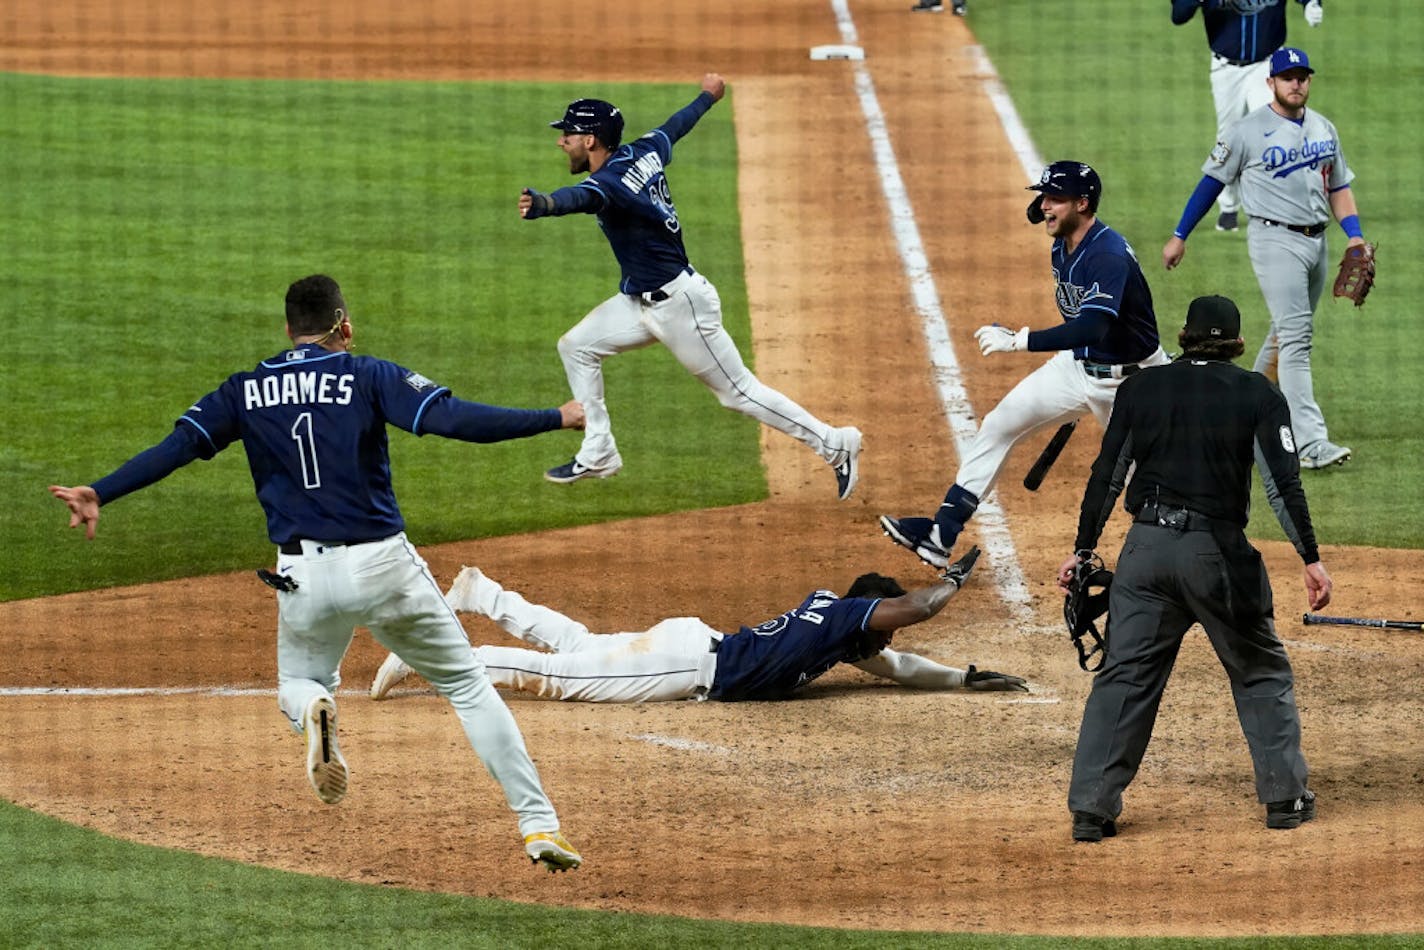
point(326, 769)
point(848, 471)
point(391, 672)
point(463, 595)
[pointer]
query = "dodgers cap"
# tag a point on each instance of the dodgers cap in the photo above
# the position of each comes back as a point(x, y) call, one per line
point(593, 117)
point(1288, 57)
point(1213, 317)
point(1070, 180)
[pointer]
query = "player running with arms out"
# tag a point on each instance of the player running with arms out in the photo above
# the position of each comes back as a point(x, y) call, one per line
point(1293, 177)
point(312, 420)
point(1109, 332)
point(684, 658)
point(660, 297)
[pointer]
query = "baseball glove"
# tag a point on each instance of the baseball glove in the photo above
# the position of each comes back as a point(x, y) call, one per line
point(1087, 600)
point(987, 681)
point(1357, 273)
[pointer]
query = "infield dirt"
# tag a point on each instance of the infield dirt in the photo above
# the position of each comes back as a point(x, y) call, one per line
point(859, 805)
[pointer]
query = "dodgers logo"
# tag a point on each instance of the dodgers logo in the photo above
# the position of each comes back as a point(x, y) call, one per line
point(1282, 160)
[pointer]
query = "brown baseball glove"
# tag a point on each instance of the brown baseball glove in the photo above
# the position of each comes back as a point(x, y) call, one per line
point(1357, 273)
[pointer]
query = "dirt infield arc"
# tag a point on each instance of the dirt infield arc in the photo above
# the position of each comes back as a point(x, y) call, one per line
point(892, 809)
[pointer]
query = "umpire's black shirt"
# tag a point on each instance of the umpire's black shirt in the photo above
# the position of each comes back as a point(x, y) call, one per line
point(1194, 427)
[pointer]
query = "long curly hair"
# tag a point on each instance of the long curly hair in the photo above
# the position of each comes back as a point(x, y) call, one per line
point(1197, 346)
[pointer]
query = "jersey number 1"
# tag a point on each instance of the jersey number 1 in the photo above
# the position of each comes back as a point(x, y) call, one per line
point(303, 435)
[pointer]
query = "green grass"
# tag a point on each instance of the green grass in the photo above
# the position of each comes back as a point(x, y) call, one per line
point(118, 894)
point(152, 228)
point(1138, 108)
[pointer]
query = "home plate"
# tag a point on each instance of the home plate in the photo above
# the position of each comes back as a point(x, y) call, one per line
point(837, 51)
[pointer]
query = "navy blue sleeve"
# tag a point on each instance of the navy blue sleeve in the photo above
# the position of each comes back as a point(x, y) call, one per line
point(476, 422)
point(1184, 10)
point(1205, 195)
point(584, 198)
point(183, 445)
point(679, 124)
point(1090, 327)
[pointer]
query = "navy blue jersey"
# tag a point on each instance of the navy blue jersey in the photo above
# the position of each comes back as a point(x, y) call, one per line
point(772, 659)
point(1243, 31)
point(634, 205)
point(313, 422)
point(1102, 277)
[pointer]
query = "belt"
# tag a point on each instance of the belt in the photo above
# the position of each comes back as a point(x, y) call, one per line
point(1235, 62)
point(294, 546)
point(1106, 370)
point(1182, 519)
point(1309, 230)
point(661, 294)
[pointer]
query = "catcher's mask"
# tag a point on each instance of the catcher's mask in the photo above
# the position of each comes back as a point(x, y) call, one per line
point(1087, 600)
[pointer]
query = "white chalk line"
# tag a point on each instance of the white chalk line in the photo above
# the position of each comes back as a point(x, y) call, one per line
point(948, 379)
point(682, 745)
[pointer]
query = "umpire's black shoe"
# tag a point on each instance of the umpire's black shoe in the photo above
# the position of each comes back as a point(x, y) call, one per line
point(1292, 813)
point(1090, 827)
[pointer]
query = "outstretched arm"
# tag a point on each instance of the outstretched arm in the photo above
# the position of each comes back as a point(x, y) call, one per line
point(917, 672)
point(919, 605)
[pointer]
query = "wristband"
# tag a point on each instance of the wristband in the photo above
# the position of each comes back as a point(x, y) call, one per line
point(1350, 224)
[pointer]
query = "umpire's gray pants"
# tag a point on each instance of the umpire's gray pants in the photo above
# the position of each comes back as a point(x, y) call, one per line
point(1165, 581)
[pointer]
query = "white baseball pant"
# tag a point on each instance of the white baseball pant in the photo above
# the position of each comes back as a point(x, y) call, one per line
point(1057, 392)
point(689, 323)
point(1235, 91)
point(386, 587)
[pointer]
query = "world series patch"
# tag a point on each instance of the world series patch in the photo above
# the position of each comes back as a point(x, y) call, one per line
point(1221, 153)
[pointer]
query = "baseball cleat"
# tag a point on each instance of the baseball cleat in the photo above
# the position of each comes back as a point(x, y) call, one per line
point(960, 8)
point(1291, 813)
point(1227, 221)
point(463, 596)
point(552, 850)
point(1323, 454)
point(928, 6)
point(920, 535)
point(391, 672)
point(848, 471)
point(1090, 827)
point(573, 470)
point(326, 769)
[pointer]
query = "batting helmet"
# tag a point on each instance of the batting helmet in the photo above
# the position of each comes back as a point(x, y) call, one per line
point(593, 117)
point(1066, 179)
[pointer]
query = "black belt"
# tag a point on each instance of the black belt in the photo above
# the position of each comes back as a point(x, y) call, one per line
point(1105, 370)
point(659, 295)
point(294, 546)
point(1180, 519)
point(1236, 62)
point(1309, 230)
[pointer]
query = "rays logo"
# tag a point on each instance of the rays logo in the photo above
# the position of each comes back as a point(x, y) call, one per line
point(1071, 297)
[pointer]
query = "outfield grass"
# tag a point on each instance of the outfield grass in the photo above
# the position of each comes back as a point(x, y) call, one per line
point(1138, 108)
point(152, 228)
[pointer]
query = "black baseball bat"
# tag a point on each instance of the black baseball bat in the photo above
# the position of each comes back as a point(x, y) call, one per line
point(1417, 625)
point(1049, 455)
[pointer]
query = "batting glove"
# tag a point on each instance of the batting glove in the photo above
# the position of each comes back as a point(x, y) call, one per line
point(1314, 13)
point(996, 339)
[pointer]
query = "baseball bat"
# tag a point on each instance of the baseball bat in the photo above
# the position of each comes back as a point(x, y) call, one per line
point(1049, 455)
point(1416, 625)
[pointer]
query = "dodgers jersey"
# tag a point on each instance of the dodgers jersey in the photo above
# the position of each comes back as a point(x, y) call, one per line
point(1287, 168)
point(313, 422)
point(774, 658)
point(1102, 275)
point(634, 205)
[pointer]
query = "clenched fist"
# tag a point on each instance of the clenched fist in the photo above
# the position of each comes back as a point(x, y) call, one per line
point(996, 339)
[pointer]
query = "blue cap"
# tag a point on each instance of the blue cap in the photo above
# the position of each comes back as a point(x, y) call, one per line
point(1288, 57)
point(593, 117)
point(1071, 179)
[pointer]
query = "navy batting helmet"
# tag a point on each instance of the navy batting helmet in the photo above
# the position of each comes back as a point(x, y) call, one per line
point(1067, 179)
point(593, 117)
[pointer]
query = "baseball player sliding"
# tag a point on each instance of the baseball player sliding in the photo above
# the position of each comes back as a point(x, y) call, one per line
point(1293, 177)
point(1242, 35)
point(683, 658)
point(1109, 332)
point(660, 297)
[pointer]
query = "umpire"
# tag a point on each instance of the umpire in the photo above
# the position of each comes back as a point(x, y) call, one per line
point(1193, 429)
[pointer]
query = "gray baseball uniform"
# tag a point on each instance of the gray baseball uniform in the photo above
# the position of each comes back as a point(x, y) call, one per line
point(1286, 170)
